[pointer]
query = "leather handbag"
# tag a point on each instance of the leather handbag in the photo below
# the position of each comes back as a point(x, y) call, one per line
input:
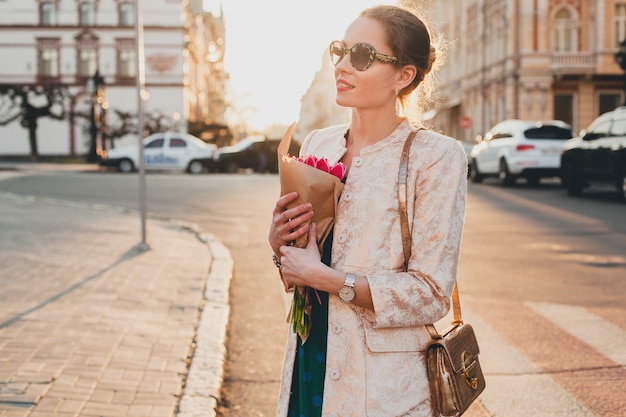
point(454, 373)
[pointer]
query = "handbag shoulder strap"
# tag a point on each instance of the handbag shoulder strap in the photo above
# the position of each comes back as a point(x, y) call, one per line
point(403, 173)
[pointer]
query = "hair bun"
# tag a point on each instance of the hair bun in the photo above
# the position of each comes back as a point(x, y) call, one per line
point(432, 57)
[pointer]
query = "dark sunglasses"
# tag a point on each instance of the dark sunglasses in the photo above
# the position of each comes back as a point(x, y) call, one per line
point(362, 55)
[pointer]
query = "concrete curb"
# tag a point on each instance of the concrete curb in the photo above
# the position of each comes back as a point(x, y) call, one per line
point(201, 393)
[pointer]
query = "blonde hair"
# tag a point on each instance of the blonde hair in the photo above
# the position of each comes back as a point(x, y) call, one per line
point(413, 44)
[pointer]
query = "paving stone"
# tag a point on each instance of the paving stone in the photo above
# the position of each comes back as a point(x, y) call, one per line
point(91, 323)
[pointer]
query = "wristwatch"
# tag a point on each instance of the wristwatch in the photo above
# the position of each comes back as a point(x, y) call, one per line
point(346, 293)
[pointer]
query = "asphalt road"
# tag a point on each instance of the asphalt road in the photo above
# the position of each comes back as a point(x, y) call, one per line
point(531, 258)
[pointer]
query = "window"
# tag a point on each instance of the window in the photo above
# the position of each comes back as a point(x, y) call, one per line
point(564, 32)
point(126, 59)
point(87, 13)
point(87, 62)
point(177, 143)
point(564, 108)
point(620, 23)
point(49, 62)
point(600, 130)
point(127, 63)
point(157, 143)
point(126, 14)
point(48, 11)
point(548, 132)
point(48, 58)
point(502, 135)
point(608, 102)
point(619, 126)
point(87, 46)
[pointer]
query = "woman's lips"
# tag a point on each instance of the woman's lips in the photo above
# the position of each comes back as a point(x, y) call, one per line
point(343, 86)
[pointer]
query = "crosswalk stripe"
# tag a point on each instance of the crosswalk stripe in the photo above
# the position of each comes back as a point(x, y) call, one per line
point(515, 385)
point(617, 316)
point(524, 351)
point(603, 336)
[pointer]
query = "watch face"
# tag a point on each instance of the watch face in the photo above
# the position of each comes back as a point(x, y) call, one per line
point(346, 294)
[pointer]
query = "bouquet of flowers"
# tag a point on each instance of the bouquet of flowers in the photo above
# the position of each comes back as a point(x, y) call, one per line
point(318, 183)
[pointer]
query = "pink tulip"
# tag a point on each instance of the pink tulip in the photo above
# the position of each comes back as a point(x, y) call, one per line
point(338, 170)
point(322, 165)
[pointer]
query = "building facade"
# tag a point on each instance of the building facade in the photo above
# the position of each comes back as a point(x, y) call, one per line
point(531, 59)
point(74, 42)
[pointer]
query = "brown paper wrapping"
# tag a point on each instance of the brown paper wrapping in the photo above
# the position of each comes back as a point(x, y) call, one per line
point(314, 186)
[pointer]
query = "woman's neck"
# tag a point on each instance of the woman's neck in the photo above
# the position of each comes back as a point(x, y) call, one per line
point(368, 128)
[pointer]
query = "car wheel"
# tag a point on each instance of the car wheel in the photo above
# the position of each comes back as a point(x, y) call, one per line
point(475, 175)
point(125, 166)
point(195, 167)
point(231, 167)
point(505, 176)
point(573, 180)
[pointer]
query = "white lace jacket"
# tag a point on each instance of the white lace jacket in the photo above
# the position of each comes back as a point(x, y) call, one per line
point(376, 360)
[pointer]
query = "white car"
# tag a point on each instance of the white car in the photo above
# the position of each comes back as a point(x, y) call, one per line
point(520, 149)
point(164, 151)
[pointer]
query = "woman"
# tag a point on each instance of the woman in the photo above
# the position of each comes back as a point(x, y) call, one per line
point(366, 352)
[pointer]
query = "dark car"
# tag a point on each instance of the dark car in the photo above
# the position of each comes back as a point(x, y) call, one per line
point(597, 156)
point(254, 152)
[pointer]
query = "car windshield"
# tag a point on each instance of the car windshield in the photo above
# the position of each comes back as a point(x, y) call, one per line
point(245, 143)
point(196, 141)
point(548, 132)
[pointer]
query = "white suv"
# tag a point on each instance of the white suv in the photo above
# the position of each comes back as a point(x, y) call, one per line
point(520, 149)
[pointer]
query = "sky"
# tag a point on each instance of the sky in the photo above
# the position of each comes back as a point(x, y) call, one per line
point(273, 50)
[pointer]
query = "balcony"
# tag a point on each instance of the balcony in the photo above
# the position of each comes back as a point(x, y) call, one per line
point(45, 80)
point(573, 63)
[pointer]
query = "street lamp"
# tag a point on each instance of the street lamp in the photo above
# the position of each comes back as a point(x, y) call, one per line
point(620, 58)
point(94, 89)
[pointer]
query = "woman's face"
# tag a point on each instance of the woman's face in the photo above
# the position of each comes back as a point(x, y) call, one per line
point(374, 87)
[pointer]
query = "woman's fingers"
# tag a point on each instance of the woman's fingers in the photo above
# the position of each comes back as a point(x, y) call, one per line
point(295, 219)
point(283, 202)
point(289, 224)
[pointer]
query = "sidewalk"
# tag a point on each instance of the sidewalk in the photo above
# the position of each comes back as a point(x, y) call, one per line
point(92, 323)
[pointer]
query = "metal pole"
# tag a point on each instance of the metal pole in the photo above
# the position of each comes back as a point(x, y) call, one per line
point(141, 83)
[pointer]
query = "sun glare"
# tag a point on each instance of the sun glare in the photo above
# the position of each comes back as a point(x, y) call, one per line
point(273, 49)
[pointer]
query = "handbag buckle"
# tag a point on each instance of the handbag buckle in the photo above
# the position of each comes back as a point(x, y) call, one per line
point(468, 365)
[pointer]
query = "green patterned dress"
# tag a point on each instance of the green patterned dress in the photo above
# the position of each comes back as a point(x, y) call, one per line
point(307, 384)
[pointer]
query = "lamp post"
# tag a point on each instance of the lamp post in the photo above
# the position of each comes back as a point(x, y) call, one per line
point(94, 89)
point(620, 58)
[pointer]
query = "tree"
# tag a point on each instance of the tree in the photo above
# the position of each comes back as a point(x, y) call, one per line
point(29, 103)
point(120, 123)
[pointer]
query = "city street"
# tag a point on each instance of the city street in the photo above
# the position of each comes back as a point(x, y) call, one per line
point(541, 280)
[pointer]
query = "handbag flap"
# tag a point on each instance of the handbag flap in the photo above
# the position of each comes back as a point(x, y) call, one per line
point(461, 346)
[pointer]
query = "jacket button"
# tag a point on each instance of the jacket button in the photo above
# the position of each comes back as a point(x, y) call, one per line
point(341, 238)
point(358, 161)
point(335, 374)
point(337, 328)
point(347, 196)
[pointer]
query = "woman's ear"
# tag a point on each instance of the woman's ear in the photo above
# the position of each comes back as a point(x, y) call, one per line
point(407, 75)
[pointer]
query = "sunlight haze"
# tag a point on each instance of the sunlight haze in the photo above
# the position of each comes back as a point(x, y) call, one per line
point(274, 48)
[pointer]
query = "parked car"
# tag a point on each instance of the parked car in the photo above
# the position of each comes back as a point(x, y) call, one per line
point(515, 149)
point(254, 152)
point(597, 156)
point(164, 151)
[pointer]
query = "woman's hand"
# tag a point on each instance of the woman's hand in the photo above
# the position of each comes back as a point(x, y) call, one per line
point(302, 266)
point(288, 224)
